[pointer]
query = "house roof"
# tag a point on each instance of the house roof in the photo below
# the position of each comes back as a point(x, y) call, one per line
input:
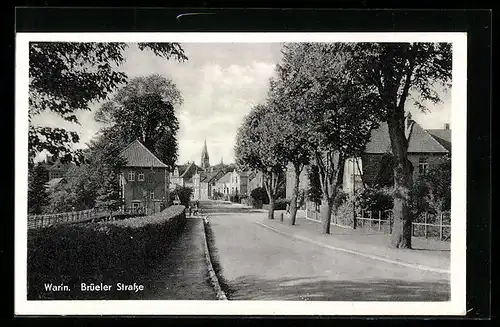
point(190, 170)
point(443, 136)
point(137, 155)
point(225, 179)
point(420, 141)
point(211, 176)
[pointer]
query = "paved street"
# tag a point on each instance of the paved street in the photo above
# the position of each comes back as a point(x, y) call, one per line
point(260, 264)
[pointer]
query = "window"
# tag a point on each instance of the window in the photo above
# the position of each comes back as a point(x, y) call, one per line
point(152, 195)
point(140, 177)
point(131, 176)
point(422, 165)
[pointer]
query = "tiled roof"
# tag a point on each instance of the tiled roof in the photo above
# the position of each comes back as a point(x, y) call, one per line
point(225, 179)
point(182, 168)
point(209, 177)
point(443, 136)
point(420, 141)
point(137, 155)
point(190, 170)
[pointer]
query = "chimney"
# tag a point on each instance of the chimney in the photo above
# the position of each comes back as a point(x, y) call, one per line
point(447, 126)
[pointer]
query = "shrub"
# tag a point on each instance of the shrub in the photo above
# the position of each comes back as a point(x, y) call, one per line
point(107, 252)
point(281, 204)
point(374, 199)
point(259, 194)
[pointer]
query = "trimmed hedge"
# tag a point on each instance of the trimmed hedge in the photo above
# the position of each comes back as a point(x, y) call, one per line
point(106, 252)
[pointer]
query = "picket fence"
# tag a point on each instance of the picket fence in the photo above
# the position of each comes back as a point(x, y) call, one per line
point(44, 220)
point(425, 225)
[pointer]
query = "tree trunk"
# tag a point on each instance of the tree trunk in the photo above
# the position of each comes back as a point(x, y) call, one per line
point(293, 204)
point(270, 212)
point(401, 231)
point(326, 215)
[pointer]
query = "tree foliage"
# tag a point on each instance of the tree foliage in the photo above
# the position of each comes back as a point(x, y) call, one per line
point(432, 192)
point(338, 112)
point(94, 182)
point(259, 146)
point(144, 109)
point(65, 77)
point(37, 194)
point(397, 73)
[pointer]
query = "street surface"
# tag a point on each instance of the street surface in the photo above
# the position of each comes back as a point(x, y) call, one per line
point(258, 263)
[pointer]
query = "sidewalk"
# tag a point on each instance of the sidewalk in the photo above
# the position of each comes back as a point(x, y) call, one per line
point(430, 253)
point(183, 274)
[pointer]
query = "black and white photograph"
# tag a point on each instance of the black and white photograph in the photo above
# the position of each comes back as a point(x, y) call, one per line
point(240, 173)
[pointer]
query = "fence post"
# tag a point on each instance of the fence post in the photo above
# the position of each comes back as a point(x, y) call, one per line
point(441, 226)
point(379, 220)
point(371, 216)
point(425, 224)
point(412, 229)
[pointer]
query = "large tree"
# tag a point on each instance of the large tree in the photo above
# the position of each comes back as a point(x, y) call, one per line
point(144, 109)
point(292, 131)
point(338, 112)
point(65, 77)
point(259, 147)
point(399, 72)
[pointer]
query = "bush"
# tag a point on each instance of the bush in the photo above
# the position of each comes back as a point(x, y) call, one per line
point(281, 204)
point(109, 252)
point(234, 198)
point(259, 194)
point(340, 198)
point(374, 199)
point(217, 195)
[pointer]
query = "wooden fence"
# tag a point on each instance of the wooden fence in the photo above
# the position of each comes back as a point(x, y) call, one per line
point(44, 220)
point(425, 225)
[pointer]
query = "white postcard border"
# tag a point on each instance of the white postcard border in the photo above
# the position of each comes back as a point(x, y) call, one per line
point(457, 304)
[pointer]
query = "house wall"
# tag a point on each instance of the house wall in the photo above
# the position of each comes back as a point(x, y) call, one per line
point(155, 180)
point(371, 164)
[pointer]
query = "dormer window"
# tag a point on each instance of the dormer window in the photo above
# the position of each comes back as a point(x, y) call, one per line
point(140, 177)
point(131, 176)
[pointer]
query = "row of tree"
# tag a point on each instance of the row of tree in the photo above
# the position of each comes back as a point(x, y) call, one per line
point(322, 104)
point(64, 79)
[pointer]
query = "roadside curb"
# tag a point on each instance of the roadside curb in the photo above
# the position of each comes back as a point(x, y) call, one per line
point(366, 255)
point(211, 272)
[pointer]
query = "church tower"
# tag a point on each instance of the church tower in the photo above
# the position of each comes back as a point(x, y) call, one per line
point(205, 160)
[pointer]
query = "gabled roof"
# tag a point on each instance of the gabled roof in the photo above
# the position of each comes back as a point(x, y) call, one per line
point(211, 177)
point(190, 170)
point(137, 155)
point(225, 179)
point(443, 136)
point(420, 141)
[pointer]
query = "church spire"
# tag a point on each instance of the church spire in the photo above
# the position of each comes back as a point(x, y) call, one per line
point(205, 159)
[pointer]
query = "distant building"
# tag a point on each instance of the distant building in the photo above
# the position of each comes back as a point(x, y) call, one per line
point(182, 175)
point(143, 179)
point(204, 184)
point(55, 168)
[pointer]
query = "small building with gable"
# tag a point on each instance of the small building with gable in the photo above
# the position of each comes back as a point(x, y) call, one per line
point(144, 179)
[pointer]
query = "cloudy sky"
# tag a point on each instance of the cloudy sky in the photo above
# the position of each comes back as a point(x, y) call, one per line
point(220, 83)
